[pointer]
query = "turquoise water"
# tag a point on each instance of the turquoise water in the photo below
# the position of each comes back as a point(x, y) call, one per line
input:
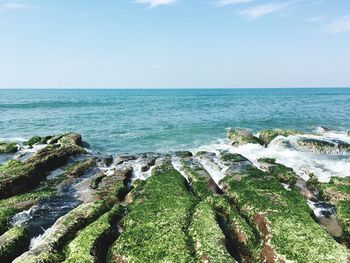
point(160, 120)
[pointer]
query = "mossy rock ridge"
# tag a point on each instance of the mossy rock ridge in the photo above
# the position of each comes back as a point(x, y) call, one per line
point(50, 249)
point(266, 136)
point(28, 174)
point(242, 136)
point(337, 192)
point(91, 243)
point(155, 225)
point(13, 243)
point(283, 219)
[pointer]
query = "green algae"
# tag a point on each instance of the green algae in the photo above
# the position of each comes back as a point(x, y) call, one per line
point(89, 242)
point(337, 192)
point(155, 225)
point(13, 243)
point(10, 167)
point(234, 157)
point(205, 189)
point(34, 140)
point(266, 136)
point(31, 172)
point(10, 147)
point(207, 236)
point(283, 219)
point(78, 169)
point(283, 174)
point(313, 184)
point(267, 160)
point(50, 250)
point(241, 136)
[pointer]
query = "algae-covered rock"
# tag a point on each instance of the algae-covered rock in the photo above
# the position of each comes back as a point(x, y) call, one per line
point(114, 186)
point(90, 243)
point(348, 133)
point(10, 206)
point(201, 182)
point(241, 136)
point(243, 236)
point(283, 174)
point(10, 147)
point(155, 227)
point(79, 168)
point(286, 229)
point(183, 154)
point(322, 146)
point(207, 236)
point(337, 192)
point(13, 243)
point(266, 136)
point(234, 157)
point(29, 173)
point(48, 250)
point(34, 140)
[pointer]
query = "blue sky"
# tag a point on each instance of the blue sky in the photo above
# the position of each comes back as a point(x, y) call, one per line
point(174, 43)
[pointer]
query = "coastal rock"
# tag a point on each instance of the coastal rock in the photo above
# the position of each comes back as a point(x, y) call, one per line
point(114, 186)
point(13, 243)
point(29, 173)
point(92, 241)
point(265, 202)
point(154, 224)
point(64, 228)
point(266, 136)
point(9, 147)
point(241, 136)
point(322, 146)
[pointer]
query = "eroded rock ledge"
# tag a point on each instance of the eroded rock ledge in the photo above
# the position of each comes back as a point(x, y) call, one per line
point(176, 207)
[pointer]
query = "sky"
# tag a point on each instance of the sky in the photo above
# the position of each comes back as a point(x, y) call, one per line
point(174, 43)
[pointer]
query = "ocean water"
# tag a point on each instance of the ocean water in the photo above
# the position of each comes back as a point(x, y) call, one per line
point(130, 121)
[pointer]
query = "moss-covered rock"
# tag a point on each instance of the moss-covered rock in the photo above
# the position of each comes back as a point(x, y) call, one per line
point(313, 184)
point(10, 147)
point(79, 168)
point(90, 243)
point(234, 157)
point(183, 154)
point(267, 160)
point(34, 140)
point(242, 235)
point(323, 147)
point(49, 249)
point(283, 174)
point(207, 236)
point(337, 192)
point(29, 173)
point(155, 227)
point(11, 206)
point(115, 185)
point(241, 136)
point(201, 182)
point(13, 243)
point(266, 136)
point(282, 217)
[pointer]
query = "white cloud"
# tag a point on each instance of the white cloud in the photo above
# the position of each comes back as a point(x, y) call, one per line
point(155, 3)
point(231, 2)
point(339, 25)
point(11, 6)
point(265, 9)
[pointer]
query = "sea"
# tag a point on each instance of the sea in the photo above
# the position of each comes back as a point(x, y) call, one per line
point(161, 120)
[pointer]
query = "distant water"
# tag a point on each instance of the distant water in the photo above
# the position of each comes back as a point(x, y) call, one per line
point(118, 121)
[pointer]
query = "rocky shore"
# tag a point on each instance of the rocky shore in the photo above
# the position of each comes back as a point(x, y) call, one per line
point(63, 202)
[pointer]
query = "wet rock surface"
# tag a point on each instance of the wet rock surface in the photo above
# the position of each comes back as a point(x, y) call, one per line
point(62, 203)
